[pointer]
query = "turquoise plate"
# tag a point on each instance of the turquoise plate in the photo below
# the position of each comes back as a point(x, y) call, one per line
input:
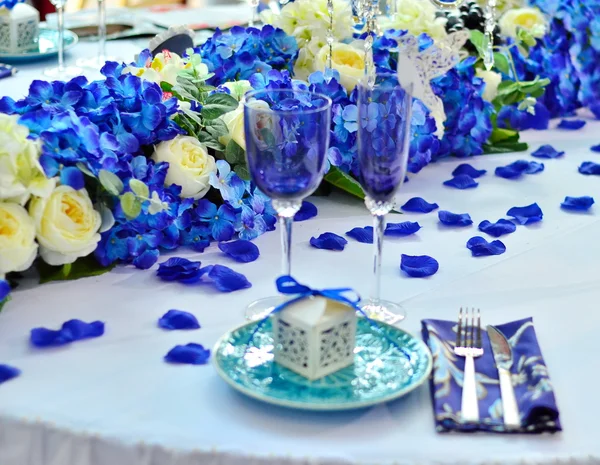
point(381, 371)
point(45, 47)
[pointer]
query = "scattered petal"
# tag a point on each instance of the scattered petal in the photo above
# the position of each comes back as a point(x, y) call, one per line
point(572, 124)
point(454, 219)
point(405, 228)
point(328, 241)
point(578, 203)
point(526, 215)
point(225, 279)
point(192, 354)
point(419, 205)
point(419, 266)
point(547, 151)
point(147, 259)
point(178, 319)
point(534, 167)
point(595, 148)
point(498, 228)
point(479, 247)
point(240, 250)
point(72, 330)
point(307, 211)
point(7, 372)
point(462, 181)
point(364, 235)
point(589, 167)
point(179, 269)
point(469, 170)
point(517, 168)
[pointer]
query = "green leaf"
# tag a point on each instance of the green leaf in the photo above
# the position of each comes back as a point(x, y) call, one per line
point(166, 87)
point(81, 268)
point(479, 41)
point(4, 302)
point(208, 140)
point(505, 148)
point(523, 50)
point(216, 128)
point(507, 87)
point(501, 62)
point(344, 181)
point(84, 169)
point(66, 269)
point(111, 182)
point(243, 172)
point(504, 135)
point(525, 37)
point(131, 205)
point(217, 105)
point(139, 188)
point(234, 153)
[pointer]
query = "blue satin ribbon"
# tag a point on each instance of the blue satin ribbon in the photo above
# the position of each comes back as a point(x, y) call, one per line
point(289, 286)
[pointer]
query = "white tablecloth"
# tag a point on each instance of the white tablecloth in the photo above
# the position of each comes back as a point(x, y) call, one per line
point(113, 401)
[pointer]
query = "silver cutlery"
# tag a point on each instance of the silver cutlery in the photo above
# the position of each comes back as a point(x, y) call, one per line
point(504, 359)
point(468, 345)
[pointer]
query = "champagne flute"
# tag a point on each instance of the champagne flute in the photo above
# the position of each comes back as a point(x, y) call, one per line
point(287, 137)
point(99, 60)
point(384, 114)
point(61, 71)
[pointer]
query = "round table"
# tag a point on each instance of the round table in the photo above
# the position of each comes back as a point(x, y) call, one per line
point(113, 401)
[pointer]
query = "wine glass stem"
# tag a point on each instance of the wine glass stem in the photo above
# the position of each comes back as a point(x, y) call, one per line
point(378, 230)
point(286, 244)
point(101, 30)
point(60, 13)
point(254, 20)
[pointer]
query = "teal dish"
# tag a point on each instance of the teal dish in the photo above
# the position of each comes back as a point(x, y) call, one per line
point(45, 47)
point(382, 370)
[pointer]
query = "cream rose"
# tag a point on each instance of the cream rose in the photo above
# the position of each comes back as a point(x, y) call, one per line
point(492, 81)
point(530, 19)
point(234, 120)
point(238, 88)
point(165, 67)
point(348, 60)
point(17, 238)
point(190, 165)
point(66, 225)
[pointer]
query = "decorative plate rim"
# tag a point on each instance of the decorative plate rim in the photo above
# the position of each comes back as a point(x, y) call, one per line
point(37, 54)
point(322, 407)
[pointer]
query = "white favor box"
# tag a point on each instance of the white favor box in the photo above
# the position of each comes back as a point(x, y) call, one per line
point(315, 337)
point(19, 28)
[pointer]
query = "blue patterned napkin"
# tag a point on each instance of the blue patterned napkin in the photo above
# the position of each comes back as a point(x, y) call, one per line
point(6, 71)
point(533, 389)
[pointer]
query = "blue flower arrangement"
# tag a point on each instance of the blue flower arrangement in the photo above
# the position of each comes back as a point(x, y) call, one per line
point(9, 4)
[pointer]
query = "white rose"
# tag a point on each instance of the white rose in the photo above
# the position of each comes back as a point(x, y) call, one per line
point(190, 165)
point(238, 88)
point(492, 81)
point(17, 238)
point(66, 225)
point(349, 61)
point(530, 19)
point(234, 120)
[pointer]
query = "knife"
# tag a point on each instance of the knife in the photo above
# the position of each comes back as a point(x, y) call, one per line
point(504, 359)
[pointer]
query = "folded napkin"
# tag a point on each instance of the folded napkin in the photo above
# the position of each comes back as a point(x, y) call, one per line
point(6, 70)
point(533, 389)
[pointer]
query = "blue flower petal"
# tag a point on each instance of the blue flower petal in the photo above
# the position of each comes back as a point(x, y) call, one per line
point(191, 354)
point(240, 250)
point(420, 205)
point(227, 280)
point(589, 167)
point(526, 215)
point(534, 167)
point(462, 181)
point(364, 235)
point(454, 219)
point(307, 211)
point(479, 247)
point(595, 148)
point(72, 330)
point(497, 229)
point(7, 372)
point(405, 228)
point(328, 241)
point(146, 260)
point(572, 124)
point(419, 266)
point(469, 170)
point(547, 151)
point(578, 203)
point(71, 176)
point(4, 289)
point(517, 168)
point(179, 269)
point(178, 319)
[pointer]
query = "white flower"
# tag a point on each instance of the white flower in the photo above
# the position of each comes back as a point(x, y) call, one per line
point(66, 225)
point(165, 67)
point(20, 172)
point(530, 19)
point(492, 81)
point(190, 165)
point(234, 120)
point(238, 88)
point(417, 17)
point(347, 59)
point(17, 238)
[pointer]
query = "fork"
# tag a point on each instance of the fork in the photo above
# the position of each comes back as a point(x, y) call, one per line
point(468, 345)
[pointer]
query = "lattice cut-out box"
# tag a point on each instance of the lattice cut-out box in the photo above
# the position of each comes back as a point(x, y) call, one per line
point(19, 28)
point(315, 336)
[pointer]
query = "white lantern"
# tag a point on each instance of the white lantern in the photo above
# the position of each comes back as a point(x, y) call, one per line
point(315, 336)
point(18, 28)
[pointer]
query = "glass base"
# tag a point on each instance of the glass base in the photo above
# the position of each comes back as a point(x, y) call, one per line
point(260, 308)
point(96, 63)
point(61, 74)
point(384, 310)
